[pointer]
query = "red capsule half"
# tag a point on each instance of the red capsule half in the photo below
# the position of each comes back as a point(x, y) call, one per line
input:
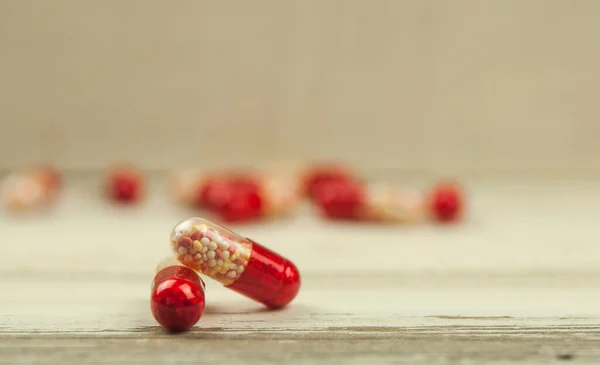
point(341, 199)
point(235, 261)
point(240, 196)
point(177, 300)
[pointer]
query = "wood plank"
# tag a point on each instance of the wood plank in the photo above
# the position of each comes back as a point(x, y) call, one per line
point(516, 283)
point(540, 226)
point(478, 304)
point(395, 348)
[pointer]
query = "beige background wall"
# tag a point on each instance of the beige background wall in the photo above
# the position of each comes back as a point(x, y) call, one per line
point(421, 85)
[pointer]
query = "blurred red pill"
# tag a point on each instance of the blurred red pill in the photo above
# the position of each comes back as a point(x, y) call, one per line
point(214, 191)
point(247, 196)
point(446, 202)
point(341, 199)
point(125, 185)
point(319, 175)
point(177, 300)
point(210, 192)
point(241, 200)
point(351, 200)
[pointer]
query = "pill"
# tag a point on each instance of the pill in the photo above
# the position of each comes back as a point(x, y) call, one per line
point(316, 175)
point(30, 189)
point(236, 196)
point(446, 202)
point(177, 299)
point(341, 199)
point(257, 272)
point(352, 200)
point(125, 184)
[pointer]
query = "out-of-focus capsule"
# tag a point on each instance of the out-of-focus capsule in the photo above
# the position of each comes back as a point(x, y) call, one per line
point(342, 200)
point(236, 262)
point(177, 300)
point(195, 188)
point(218, 190)
point(318, 175)
point(30, 189)
point(255, 196)
point(125, 184)
point(446, 202)
point(350, 200)
point(241, 195)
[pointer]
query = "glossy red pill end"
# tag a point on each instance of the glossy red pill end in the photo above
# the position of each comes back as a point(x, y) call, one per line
point(177, 300)
point(268, 278)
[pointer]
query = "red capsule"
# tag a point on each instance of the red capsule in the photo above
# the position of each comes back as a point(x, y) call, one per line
point(202, 190)
point(319, 175)
point(177, 300)
point(341, 199)
point(237, 262)
point(351, 200)
point(212, 193)
point(238, 197)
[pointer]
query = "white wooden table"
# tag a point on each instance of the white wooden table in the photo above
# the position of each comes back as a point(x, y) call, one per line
point(519, 282)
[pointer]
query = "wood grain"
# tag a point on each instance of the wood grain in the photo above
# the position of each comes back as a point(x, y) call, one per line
point(516, 283)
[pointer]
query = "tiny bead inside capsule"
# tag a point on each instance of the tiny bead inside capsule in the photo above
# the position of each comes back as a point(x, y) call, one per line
point(177, 300)
point(237, 262)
